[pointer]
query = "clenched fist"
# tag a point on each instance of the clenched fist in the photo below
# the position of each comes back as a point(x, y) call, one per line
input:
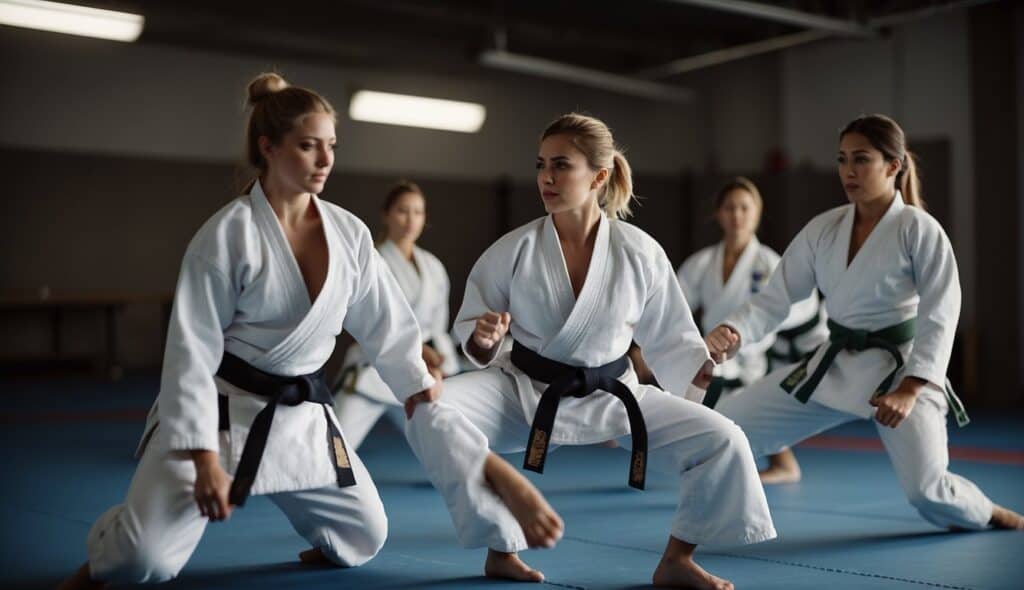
point(723, 342)
point(490, 329)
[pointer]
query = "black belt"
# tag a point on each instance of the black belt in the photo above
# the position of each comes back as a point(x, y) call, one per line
point(717, 386)
point(568, 381)
point(290, 391)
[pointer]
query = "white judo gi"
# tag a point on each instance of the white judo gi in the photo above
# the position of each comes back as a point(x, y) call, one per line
point(904, 269)
point(364, 397)
point(700, 277)
point(241, 291)
point(629, 293)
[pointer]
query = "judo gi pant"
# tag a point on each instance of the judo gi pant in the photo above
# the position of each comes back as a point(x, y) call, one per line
point(721, 498)
point(917, 448)
point(151, 536)
point(358, 413)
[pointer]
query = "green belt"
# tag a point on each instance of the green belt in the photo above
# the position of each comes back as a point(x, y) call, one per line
point(717, 386)
point(843, 338)
point(790, 336)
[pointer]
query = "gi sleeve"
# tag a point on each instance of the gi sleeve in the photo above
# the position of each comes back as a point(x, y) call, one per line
point(689, 276)
point(383, 324)
point(793, 280)
point(938, 285)
point(666, 332)
point(204, 306)
point(487, 289)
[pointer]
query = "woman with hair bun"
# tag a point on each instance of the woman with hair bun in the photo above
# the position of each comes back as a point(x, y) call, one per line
point(266, 285)
point(362, 396)
point(574, 289)
point(892, 293)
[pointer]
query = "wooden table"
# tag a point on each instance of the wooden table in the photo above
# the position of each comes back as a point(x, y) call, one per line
point(110, 303)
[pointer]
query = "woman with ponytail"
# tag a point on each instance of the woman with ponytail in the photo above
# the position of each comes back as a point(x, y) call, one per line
point(892, 293)
point(722, 277)
point(265, 287)
point(573, 289)
point(362, 397)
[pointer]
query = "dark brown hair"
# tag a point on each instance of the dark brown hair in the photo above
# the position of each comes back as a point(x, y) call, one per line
point(886, 136)
point(397, 190)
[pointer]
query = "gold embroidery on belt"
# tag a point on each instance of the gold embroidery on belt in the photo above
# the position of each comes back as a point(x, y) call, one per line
point(540, 442)
point(340, 456)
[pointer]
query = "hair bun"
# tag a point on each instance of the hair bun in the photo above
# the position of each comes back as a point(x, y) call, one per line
point(264, 85)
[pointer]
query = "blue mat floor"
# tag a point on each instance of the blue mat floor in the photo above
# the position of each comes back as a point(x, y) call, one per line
point(68, 445)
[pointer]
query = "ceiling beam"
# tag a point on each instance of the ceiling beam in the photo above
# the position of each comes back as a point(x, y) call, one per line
point(787, 16)
point(535, 66)
point(720, 56)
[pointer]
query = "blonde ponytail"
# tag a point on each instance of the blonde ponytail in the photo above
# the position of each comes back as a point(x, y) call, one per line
point(617, 196)
point(593, 138)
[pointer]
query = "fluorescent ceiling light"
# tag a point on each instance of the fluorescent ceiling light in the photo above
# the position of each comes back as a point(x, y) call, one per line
point(71, 19)
point(416, 111)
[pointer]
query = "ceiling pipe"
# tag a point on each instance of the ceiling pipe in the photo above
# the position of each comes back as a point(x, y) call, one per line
point(720, 56)
point(787, 16)
point(535, 66)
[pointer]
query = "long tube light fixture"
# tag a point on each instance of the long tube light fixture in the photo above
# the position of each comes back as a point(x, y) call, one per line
point(71, 19)
point(416, 111)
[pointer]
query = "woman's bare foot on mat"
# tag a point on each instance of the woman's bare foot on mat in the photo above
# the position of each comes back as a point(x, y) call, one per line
point(509, 567)
point(81, 580)
point(782, 468)
point(677, 569)
point(314, 556)
point(541, 525)
point(1004, 518)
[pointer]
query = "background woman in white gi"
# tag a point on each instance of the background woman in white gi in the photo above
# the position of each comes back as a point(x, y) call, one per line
point(363, 397)
point(889, 277)
point(720, 278)
point(573, 289)
point(268, 282)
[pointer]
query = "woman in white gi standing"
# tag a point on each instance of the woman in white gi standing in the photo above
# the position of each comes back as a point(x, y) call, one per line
point(266, 285)
point(720, 278)
point(891, 288)
point(573, 289)
point(363, 397)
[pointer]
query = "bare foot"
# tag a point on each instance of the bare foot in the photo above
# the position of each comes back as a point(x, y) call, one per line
point(1004, 518)
point(678, 570)
point(685, 573)
point(314, 556)
point(510, 567)
point(81, 580)
point(541, 525)
point(782, 468)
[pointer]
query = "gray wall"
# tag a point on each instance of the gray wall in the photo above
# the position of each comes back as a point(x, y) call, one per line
point(1019, 32)
point(920, 76)
point(75, 94)
point(120, 151)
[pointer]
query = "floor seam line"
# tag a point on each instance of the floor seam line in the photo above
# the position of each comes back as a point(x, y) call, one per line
point(781, 562)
